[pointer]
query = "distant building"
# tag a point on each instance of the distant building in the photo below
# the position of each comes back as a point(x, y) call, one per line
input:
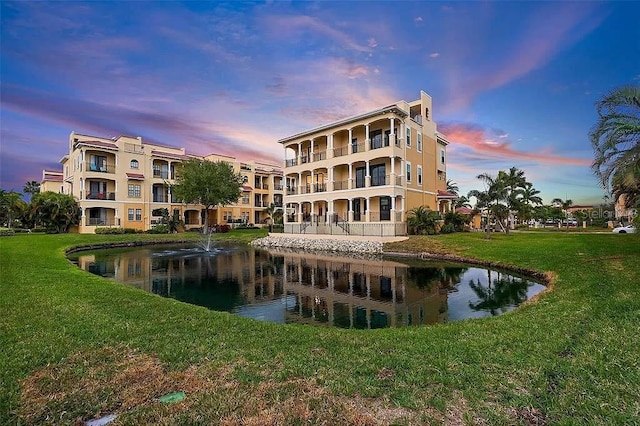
point(623, 213)
point(52, 181)
point(361, 175)
point(124, 182)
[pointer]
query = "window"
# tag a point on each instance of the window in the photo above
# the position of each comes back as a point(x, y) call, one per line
point(360, 177)
point(408, 137)
point(378, 175)
point(419, 171)
point(376, 139)
point(354, 145)
point(130, 214)
point(138, 214)
point(134, 164)
point(419, 147)
point(408, 172)
point(442, 156)
point(134, 190)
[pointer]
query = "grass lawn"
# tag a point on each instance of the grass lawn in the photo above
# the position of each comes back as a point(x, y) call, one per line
point(74, 346)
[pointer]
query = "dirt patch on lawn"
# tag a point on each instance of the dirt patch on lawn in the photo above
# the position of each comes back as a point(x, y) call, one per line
point(129, 383)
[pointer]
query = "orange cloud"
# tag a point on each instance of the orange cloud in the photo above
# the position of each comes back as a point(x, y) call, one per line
point(495, 144)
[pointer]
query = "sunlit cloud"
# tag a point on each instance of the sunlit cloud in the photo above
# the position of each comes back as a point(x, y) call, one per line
point(495, 144)
point(434, 55)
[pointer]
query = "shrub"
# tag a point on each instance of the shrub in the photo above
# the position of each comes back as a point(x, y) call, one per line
point(447, 228)
point(106, 230)
point(158, 229)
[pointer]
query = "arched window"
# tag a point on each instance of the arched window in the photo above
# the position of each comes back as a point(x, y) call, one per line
point(134, 164)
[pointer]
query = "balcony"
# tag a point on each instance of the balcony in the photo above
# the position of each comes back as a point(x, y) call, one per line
point(291, 191)
point(100, 167)
point(278, 204)
point(101, 196)
point(340, 184)
point(265, 186)
point(380, 180)
point(339, 152)
point(291, 163)
point(161, 174)
point(320, 187)
point(318, 156)
point(277, 187)
point(96, 221)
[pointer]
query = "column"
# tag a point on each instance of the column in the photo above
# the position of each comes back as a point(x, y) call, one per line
point(367, 175)
point(367, 216)
point(350, 176)
point(392, 131)
point(392, 175)
point(311, 152)
point(299, 182)
point(299, 152)
point(366, 137)
point(330, 146)
point(330, 182)
point(350, 212)
point(299, 212)
point(329, 211)
point(285, 217)
point(349, 147)
point(393, 208)
point(312, 187)
point(313, 210)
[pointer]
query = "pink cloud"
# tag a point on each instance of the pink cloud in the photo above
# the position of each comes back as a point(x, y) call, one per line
point(486, 143)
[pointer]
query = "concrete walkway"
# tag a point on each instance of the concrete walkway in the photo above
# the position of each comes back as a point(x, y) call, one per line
point(340, 237)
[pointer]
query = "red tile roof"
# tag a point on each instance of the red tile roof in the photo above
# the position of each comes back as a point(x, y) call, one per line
point(247, 188)
point(99, 144)
point(169, 155)
point(464, 210)
point(139, 176)
point(446, 194)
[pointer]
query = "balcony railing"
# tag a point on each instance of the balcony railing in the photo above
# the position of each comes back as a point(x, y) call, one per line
point(277, 187)
point(265, 186)
point(380, 180)
point(101, 196)
point(320, 187)
point(291, 191)
point(339, 152)
point(305, 189)
point(291, 163)
point(101, 168)
point(357, 147)
point(278, 204)
point(159, 198)
point(340, 184)
point(304, 159)
point(96, 221)
point(162, 174)
point(320, 155)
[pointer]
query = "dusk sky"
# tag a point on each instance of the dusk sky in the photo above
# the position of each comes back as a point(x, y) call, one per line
point(513, 83)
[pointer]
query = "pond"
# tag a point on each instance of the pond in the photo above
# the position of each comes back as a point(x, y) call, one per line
point(313, 288)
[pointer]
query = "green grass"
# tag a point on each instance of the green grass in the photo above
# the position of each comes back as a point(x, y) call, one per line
point(74, 346)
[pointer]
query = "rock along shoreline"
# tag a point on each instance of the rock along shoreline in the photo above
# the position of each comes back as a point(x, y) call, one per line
point(311, 244)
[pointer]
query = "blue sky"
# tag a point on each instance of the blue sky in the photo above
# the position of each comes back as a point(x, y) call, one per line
point(513, 83)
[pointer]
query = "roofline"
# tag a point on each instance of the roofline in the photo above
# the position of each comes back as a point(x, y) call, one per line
point(442, 138)
point(390, 108)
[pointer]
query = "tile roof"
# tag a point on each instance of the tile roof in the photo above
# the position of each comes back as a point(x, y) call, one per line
point(135, 176)
point(446, 194)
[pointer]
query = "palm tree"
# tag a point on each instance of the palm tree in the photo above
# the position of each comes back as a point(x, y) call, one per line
point(528, 197)
point(32, 188)
point(452, 187)
point(462, 201)
point(512, 181)
point(491, 198)
point(565, 205)
point(421, 220)
point(616, 143)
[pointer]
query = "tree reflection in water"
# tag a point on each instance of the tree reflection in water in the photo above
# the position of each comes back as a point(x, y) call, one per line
point(501, 294)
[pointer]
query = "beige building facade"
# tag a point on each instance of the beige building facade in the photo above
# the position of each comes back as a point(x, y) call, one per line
point(361, 175)
point(126, 183)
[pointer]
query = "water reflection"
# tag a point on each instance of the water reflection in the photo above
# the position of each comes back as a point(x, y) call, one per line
point(317, 289)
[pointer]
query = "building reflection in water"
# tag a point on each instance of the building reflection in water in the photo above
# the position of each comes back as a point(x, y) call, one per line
point(316, 289)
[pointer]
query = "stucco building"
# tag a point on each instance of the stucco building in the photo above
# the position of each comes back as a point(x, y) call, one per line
point(126, 182)
point(361, 175)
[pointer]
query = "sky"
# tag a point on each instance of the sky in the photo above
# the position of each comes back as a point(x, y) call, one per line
point(513, 83)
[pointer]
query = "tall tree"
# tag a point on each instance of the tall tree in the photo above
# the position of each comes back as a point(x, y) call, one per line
point(491, 199)
point(616, 143)
point(208, 183)
point(564, 204)
point(11, 207)
point(528, 198)
point(512, 181)
point(32, 188)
